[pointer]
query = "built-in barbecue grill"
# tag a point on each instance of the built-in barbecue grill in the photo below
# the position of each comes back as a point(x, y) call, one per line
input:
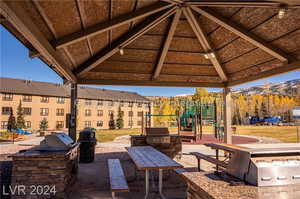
point(56, 142)
point(265, 166)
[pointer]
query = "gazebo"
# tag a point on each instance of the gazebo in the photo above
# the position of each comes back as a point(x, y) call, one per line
point(182, 43)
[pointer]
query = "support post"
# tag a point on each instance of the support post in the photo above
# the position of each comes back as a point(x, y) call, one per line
point(73, 109)
point(143, 123)
point(227, 115)
point(200, 122)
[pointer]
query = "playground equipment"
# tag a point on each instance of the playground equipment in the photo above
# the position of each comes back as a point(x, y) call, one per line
point(195, 115)
point(191, 119)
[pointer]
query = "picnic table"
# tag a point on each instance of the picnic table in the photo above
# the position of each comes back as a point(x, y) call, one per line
point(148, 158)
point(227, 148)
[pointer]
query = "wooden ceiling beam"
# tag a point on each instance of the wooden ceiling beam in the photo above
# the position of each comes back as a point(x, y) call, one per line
point(23, 23)
point(123, 41)
point(243, 33)
point(108, 25)
point(173, 1)
point(294, 66)
point(166, 44)
point(204, 41)
point(252, 4)
point(149, 83)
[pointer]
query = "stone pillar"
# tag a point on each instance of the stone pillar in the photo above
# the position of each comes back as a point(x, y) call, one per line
point(73, 116)
point(227, 116)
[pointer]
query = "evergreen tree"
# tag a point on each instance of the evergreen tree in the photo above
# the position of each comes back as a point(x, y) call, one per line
point(11, 124)
point(111, 122)
point(44, 124)
point(120, 121)
point(20, 117)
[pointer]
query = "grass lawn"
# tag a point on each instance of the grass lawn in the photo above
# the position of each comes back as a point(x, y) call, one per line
point(283, 133)
point(110, 135)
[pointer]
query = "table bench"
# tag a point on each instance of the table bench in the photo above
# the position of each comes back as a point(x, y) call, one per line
point(117, 178)
point(200, 156)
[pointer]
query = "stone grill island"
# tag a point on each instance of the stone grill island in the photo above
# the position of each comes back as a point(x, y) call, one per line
point(45, 172)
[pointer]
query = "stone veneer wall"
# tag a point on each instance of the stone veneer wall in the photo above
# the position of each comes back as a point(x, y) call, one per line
point(170, 149)
point(32, 169)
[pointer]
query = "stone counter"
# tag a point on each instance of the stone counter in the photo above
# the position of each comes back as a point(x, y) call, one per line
point(203, 185)
point(34, 169)
point(171, 149)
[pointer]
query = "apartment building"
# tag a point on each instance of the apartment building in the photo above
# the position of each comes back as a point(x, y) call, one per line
point(52, 101)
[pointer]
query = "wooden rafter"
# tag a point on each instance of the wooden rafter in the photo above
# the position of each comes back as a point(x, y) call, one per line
point(166, 45)
point(294, 66)
point(23, 23)
point(254, 4)
point(173, 1)
point(150, 83)
point(116, 22)
point(241, 32)
point(204, 41)
point(124, 40)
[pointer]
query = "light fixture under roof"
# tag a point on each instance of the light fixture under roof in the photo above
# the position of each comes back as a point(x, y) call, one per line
point(281, 13)
point(121, 51)
point(210, 55)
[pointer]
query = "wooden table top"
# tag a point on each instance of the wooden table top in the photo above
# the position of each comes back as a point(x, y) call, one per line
point(147, 157)
point(226, 147)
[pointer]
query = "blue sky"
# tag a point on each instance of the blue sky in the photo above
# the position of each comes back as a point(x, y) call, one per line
point(15, 63)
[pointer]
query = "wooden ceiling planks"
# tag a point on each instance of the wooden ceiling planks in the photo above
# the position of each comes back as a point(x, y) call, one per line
point(120, 8)
point(178, 69)
point(91, 16)
point(275, 27)
point(254, 57)
point(124, 67)
point(135, 55)
point(185, 55)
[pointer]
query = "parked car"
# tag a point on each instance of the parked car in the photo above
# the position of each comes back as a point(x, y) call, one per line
point(271, 120)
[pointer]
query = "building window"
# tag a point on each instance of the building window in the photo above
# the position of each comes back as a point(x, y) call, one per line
point(130, 123)
point(59, 124)
point(110, 112)
point(130, 113)
point(87, 124)
point(110, 103)
point(28, 125)
point(130, 104)
point(44, 111)
point(60, 100)
point(45, 99)
point(99, 123)
point(4, 125)
point(26, 111)
point(140, 104)
point(140, 114)
point(88, 112)
point(6, 110)
point(100, 113)
point(88, 102)
point(27, 98)
point(7, 97)
point(99, 102)
point(60, 112)
point(139, 123)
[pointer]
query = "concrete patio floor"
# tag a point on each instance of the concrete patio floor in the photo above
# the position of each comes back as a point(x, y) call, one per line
point(93, 180)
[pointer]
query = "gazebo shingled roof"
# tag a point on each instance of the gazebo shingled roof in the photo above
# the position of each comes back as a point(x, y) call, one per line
point(190, 43)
